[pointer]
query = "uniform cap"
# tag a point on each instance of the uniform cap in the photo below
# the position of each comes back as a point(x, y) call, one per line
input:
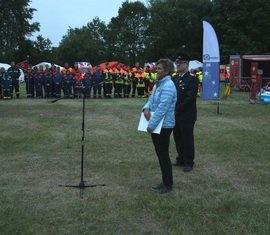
point(182, 57)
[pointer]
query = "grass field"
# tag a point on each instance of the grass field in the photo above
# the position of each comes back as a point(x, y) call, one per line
point(40, 148)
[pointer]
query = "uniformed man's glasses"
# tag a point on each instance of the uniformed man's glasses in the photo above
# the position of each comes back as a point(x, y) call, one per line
point(180, 62)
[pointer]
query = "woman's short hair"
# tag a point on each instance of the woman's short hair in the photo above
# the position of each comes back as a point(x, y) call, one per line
point(167, 64)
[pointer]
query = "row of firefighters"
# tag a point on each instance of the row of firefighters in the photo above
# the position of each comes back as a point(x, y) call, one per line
point(53, 83)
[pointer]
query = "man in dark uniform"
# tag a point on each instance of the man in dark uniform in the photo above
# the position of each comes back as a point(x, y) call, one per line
point(137, 69)
point(57, 82)
point(87, 84)
point(47, 83)
point(7, 85)
point(185, 113)
point(108, 81)
point(29, 82)
point(97, 82)
point(38, 81)
point(15, 74)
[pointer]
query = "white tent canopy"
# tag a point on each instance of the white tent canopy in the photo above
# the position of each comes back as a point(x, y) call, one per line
point(6, 66)
point(194, 64)
point(45, 65)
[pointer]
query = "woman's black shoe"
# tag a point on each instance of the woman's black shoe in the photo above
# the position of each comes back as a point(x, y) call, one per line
point(161, 188)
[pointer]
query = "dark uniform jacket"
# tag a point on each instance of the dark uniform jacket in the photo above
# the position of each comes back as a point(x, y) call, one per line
point(187, 88)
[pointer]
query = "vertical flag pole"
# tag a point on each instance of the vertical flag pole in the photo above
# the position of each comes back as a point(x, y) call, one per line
point(218, 109)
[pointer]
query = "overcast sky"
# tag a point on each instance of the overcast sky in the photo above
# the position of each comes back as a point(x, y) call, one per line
point(56, 16)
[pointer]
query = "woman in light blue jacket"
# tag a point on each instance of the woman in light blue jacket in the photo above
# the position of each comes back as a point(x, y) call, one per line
point(162, 105)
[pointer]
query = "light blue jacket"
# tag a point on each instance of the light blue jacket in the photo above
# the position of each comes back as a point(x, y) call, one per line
point(162, 103)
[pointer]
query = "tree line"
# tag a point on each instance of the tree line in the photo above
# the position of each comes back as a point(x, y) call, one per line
point(140, 32)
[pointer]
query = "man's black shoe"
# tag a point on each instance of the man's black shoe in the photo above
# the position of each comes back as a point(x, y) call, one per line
point(156, 187)
point(187, 169)
point(162, 189)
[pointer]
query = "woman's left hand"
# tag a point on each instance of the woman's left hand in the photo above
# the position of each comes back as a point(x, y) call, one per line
point(149, 130)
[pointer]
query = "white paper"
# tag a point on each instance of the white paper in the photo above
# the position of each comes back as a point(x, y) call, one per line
point(143, 124)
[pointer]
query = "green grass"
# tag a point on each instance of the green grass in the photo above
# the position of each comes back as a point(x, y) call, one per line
point(40, 148)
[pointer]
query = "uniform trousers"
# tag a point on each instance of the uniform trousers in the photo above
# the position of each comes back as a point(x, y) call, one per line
point(161, 143)
point(184, 141)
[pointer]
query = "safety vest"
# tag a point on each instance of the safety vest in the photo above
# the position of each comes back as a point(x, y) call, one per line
point(147, 76)
point(199, 75)
point(140, 82)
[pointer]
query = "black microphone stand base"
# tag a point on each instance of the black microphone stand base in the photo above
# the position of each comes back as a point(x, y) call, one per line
point(81, 186)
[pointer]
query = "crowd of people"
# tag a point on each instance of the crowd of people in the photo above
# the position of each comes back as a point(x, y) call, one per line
point(72, 82)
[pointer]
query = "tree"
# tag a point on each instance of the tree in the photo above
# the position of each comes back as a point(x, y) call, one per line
point(176, 26)
point(42, 50)
point(83, 44)
point(242, 26)
point(42, 44)
point(14, 25)
point(127, 31)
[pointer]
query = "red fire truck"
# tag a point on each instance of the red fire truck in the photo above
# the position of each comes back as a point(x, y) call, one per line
point(224, 72)
point(244, 68)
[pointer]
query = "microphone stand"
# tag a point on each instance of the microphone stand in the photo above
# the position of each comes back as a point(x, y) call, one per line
point(82, 184)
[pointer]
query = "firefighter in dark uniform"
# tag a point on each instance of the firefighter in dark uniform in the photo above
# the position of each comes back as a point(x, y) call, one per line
point(185, 113)
point(118, 85)
point(136, 69)
point(38, 80)
point(97, 83)
point(57, 82)
point(127, 84)
point(87, 84)
point(47, 83)
point(68, 84)
point(108, 82)
point(7, 85)
point(15, 74)
point(29, 82)
point(140, 85)
point(78, 85)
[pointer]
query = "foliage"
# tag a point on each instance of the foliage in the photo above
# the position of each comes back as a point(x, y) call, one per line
point(83, 44)
point(128, 30)
point(15, 26)
point(176, 26)
point(242, 26)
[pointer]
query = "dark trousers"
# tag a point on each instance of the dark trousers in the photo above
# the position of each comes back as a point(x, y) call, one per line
point(161, 142)
point(39, 91)
point(184, 141)
point(29, 85)
point(57, 90)
point(108, 90)
point(127, 89)
point(16, 87)
point(97, 90)
point(134, 88)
